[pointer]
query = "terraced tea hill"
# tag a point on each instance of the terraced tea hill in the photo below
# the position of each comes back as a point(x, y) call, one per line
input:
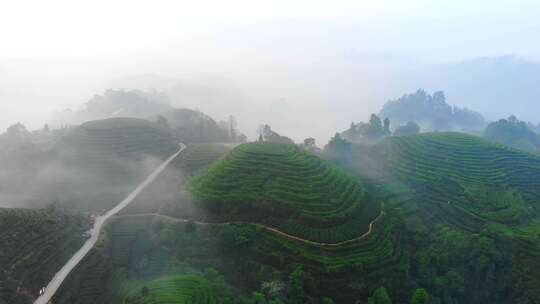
point(34, 245)
point(378, 251)
point(460, 218)
point(99, 162)
point(287, 188)
point(466, 181)
point(165, 193)
point(199, 156)
point(182, 289)
point(100, 140)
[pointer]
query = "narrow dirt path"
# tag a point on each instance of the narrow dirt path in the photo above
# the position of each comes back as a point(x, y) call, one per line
point(292, 237)
point(272, 229)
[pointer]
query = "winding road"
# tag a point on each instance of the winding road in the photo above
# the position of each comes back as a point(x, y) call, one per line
point(61, 275)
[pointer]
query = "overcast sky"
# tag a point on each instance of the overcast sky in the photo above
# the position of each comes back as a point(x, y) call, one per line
point(55, 54)
point(89, 28)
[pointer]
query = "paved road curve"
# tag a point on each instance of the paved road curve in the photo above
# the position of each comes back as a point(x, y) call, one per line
point(61, 275)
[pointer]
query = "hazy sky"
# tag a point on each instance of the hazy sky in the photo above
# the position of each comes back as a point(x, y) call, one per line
point(55, 54)
point(88, 28)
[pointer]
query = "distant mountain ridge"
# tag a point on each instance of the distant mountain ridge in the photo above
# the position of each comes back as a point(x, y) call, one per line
point(116, 103)
point(496, 86)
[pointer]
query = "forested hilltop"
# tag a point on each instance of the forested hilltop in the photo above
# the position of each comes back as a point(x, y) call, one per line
point(515, 133)
point(432, 112)
point(189, 125)
point(423, 112)
point(98, 152)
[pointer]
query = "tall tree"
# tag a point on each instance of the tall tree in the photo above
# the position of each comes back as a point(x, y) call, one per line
point(387, 126)
point(338, 149)
point(375, 128)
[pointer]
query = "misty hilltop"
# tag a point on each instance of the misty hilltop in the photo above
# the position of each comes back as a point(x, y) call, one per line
point(432, 112)
point(115, 103)
point(270, 152)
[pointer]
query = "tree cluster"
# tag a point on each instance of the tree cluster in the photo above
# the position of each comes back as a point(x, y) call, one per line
point(432, 112)
point(373, 130)
point(409, 129)
point(338, 150)
point(513, 132)
point(267, 134)
point(195, 126)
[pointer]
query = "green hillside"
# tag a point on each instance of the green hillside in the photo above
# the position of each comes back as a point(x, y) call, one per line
point(183, 289)
point(470, 205)
point(471, 182)
point(199, 156)
point(34, 245)
point(96, 164)
point(164, 193)
point(117, 137)
point(288, 188)
point(460, 219)
point(157, 252)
